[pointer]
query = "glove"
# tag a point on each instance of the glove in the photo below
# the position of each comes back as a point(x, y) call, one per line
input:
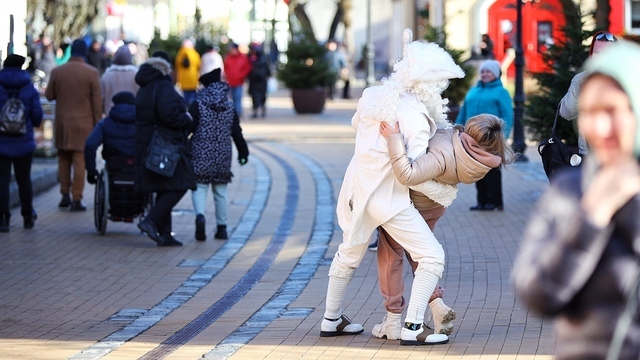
point(92, 176)
point(243, 161)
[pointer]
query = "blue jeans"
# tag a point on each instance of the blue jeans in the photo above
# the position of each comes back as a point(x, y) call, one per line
point(199, 199)
point(236, 97)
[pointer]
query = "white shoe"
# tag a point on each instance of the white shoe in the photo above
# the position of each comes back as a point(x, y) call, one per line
point(390, 327)
point(442, 316)
point(342, 326)
point(422, 336)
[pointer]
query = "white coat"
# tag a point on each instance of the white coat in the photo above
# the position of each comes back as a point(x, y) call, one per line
point(370, 194)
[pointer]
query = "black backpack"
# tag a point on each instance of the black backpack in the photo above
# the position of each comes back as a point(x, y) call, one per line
point(13, 119)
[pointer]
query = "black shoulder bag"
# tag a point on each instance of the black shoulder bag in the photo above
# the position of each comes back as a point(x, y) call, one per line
point(163, 155)
point(554, 153)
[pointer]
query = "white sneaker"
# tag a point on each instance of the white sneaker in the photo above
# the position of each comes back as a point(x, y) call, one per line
point(390, 327)
point(422, 336)
point(342, 326)
point(442, 316)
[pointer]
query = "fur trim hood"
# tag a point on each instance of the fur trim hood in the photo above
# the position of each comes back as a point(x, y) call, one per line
point(159, 64)
point(151, 70)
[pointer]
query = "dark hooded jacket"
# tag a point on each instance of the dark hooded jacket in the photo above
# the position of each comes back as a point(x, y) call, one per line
point(580, 273)
point(216, 122)
point(116, 132)
point(160, 108)
point(14, 80)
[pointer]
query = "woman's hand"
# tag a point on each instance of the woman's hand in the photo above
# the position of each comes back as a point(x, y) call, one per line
point(386, 129)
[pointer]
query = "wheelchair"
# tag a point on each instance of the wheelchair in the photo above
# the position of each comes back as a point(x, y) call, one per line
point(116, 196)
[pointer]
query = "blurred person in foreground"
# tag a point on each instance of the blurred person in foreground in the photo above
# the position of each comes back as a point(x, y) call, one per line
point(586, 224)
point(17, 150)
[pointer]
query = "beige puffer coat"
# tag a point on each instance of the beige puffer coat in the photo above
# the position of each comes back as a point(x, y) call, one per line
point(452, 158)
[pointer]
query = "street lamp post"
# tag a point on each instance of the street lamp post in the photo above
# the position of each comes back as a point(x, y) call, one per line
point(371, 77)
point(519, 145)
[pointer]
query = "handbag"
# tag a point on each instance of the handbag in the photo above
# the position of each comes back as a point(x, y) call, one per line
point(163, 154)
point(555, 154)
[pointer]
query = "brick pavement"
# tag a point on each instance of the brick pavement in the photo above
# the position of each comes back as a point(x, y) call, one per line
point(67, 292)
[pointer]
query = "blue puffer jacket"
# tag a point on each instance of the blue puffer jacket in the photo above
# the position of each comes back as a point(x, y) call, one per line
point(491, 98)
point(14, 79)
point(117, 132)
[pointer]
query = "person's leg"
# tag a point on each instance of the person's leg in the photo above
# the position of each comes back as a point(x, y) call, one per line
point(199, 200)
point(157, 223)
point(344, 264)
point(220, 203)
point(391, 282)
point(495, 188)
point(481, 188)
point(255, 104)
point(5, 182)
point(410, 230)
point(64, 175)
point(22, 169)
point(77, 188)
point(236, 97)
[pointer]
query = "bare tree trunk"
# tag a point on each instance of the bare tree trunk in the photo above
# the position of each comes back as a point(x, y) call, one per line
point(337, 19)
point(299, 23)
point(603, 9)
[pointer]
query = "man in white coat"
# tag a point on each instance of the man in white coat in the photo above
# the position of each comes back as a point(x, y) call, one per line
point(371, 196)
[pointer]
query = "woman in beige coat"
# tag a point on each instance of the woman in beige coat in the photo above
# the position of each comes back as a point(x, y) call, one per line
point(453, 157)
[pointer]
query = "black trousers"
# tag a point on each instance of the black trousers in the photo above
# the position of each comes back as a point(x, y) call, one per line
point(22, 171)
point(490, 188)
point(161, 211)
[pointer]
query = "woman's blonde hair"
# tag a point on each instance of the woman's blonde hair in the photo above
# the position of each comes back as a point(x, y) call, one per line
point(486, 130)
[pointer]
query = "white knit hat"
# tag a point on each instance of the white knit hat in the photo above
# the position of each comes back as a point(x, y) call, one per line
point(493, 66)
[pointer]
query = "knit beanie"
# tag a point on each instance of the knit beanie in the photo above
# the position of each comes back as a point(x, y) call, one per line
point(619, 63)
point(122, 56)
point(124, 97)
point(79, 48)
point(210, 77)
point(14, 61)
point(493, 66)
point(163, 55)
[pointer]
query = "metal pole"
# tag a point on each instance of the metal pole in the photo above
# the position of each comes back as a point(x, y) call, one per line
point(10, 44)
point(371, 77)
point(519, 145)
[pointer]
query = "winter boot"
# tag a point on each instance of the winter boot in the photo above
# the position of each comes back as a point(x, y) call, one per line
point(390, 327)
point(201, 234)
point(221, 234)
point(442, 316)
point(4, 222)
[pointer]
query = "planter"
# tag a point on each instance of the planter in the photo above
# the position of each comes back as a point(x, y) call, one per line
point(308, 101)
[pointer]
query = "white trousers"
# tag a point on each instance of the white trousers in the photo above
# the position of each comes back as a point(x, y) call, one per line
point(410, 230)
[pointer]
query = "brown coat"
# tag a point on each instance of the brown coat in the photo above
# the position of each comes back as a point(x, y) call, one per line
point(447, 161)
point(76, 88)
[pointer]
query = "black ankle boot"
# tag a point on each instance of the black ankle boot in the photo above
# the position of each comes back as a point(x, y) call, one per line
point(4, 222)
point(221, 234)
point(65, 201)
point(201, 234)
point(30, 220)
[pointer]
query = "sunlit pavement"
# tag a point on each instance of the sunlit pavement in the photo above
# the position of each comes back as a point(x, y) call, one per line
point(68, 292)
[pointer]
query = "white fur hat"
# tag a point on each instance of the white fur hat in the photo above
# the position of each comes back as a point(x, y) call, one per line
point(427, 62)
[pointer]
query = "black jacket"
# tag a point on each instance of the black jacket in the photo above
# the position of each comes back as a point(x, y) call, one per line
point(160, 108)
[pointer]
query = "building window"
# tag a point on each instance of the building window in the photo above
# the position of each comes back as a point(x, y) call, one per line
point(635, 14)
